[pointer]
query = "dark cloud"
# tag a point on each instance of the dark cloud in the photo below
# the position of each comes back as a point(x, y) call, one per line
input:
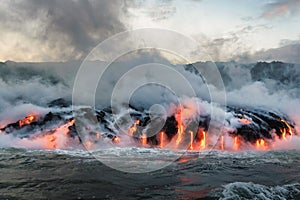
point(72, 26)
point(45, 30)
point(281, 8)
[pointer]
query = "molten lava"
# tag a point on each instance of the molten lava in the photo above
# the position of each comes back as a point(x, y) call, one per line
point(63, 129)
point(179, 134)
point(191, 140)
point(144, 139)
point(52, 138)
point(290, 130)
point(27, 120)
point(116, 139)
point(162, 138)
point(252, 129)
point(203, 140)
point(283, 131)
point(133, 128)
point(222, 143)
point(261, 144)
point(244, 121)
point(236, 143)
point(180, 131)
point(50, 144)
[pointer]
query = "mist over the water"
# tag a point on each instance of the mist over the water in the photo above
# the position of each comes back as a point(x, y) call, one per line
point(273, 85)
point(28, 88)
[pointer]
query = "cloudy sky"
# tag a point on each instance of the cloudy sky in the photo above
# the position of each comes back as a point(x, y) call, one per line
point(55, 30)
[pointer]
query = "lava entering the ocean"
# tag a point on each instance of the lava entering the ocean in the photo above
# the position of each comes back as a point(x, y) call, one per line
point(255, 128)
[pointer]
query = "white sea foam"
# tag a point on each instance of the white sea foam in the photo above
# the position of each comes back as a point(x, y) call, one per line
point(243, 190)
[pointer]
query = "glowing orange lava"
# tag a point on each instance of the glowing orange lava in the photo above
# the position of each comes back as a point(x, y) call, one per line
point(191, 140)
point(50, 143)
point(290, 130)
point(180, 126)
point(27, 120)
point(116, 140)
point(144, 139)
point(236, 143)
point(63, 129)
point(222, 143)
point(179, 134)
point(52, 138)
point(261, 144)
point(133, 128)
point(283, 131)
point(244, 121)
point(203, 140)
point(162, 135)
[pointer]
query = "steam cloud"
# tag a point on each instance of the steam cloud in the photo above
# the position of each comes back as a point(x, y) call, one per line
point(28, 86)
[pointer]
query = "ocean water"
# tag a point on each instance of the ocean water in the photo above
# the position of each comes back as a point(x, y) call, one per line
point(76, 174)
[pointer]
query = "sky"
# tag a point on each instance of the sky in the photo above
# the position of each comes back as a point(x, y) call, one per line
point(244, 31)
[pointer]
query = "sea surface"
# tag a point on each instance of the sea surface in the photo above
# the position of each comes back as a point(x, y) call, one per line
point(76, 174)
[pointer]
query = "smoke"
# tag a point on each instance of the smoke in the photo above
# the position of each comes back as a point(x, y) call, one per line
point(273, 85)
point(285, 53)
point(28, 87)
point(20, 84)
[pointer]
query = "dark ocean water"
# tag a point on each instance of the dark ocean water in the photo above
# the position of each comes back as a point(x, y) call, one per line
point(76, 174)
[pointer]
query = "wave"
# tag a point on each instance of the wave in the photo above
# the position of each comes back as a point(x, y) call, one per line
point(244, 190)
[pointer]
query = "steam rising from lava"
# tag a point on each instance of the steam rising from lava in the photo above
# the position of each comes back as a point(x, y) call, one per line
point(25, 120)
point(244, 130)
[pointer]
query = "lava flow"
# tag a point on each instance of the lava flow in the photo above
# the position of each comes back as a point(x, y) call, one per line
point(248, 133)
point(191, 140)
point(162, 139)
point(289, 128)
point(184, 129)
point(236, 143)
point(261, 144)
point(133, 128)
point(27, 120)
point(180, 127)
point(222, 143)
point(203, 140)
point(60, 132)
